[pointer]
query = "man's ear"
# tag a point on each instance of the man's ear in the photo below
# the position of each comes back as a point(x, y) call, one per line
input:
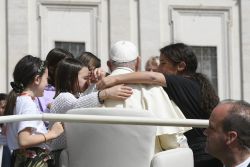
point(138, 64)
point(231, 137)
point(109, 64)
point(181, 66)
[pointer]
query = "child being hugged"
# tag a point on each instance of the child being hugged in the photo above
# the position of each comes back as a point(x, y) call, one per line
point(28, 139)
point(71, 80)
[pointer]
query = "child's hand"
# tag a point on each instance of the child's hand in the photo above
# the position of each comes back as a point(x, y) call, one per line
point(119, 92)
point(49, 106)
point(97, 74)
point(57, 129)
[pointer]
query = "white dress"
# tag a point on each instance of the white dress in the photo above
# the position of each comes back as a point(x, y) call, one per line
point(66, 101)
point(24, 105)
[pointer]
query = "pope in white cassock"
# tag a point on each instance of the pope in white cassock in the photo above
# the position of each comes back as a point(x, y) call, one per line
point(123, 59)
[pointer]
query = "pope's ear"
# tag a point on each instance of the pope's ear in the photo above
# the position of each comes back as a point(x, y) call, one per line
point(138, 64)
point(109, 64)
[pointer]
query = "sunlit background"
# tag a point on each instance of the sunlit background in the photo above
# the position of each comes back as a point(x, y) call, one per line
point(218, 31)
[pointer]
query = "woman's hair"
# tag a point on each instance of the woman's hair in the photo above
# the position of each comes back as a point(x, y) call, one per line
point(209, 97)
point(90, 60)
point(179, 52)
point(53, 57)
point(24, 74)
point(67, 76)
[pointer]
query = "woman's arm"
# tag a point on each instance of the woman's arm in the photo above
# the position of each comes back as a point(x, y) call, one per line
point(135, 77)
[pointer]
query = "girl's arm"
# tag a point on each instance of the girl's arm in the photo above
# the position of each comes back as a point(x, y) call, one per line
point(118, 92)
point(66, 101)
point(135, 77)
point(27, 139)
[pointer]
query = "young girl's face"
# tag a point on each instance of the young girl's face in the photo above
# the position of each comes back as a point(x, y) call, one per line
point(83, 76)
point(43, 83)
point(2, 107)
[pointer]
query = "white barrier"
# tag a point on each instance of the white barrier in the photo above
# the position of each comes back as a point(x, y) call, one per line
point(105, 120)
point(1, 154)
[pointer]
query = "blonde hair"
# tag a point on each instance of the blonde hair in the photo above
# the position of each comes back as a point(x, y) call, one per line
point(152, 61)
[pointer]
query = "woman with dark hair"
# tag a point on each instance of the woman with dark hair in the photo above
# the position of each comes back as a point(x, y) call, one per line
point(191, 91)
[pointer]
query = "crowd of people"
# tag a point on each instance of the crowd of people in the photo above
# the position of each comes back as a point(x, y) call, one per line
point(170, 87)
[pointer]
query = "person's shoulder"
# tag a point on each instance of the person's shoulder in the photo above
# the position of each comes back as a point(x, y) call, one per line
point(64, 96)
point(180, 79)
point(176, 77)
point(24, 100)
point(25, 104)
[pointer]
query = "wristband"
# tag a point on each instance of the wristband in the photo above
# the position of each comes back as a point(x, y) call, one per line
point(45, 140)
point(99, 99)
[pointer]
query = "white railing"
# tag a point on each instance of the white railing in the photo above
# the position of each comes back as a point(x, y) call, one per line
point(103, 120)
point(106, 120)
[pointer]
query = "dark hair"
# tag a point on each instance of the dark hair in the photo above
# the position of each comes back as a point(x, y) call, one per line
point(67, 76)
point(24, 74)
point(53, 57)
point(209, 97)
point(238, 120)
point(3, 96)
point(90, 60)
point(181, 52)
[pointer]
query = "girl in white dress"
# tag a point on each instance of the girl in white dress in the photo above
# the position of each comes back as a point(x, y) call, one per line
point(28, 139)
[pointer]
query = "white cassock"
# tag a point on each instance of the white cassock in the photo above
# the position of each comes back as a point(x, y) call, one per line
point(155, 100)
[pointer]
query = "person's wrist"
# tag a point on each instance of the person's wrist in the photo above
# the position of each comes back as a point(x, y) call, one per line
point(116, 80)
point(101, 96)
point(45, 139)
point(49, 136)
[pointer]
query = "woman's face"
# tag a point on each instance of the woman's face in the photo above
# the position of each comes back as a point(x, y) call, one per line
point(83, 76)
point(167, 66)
